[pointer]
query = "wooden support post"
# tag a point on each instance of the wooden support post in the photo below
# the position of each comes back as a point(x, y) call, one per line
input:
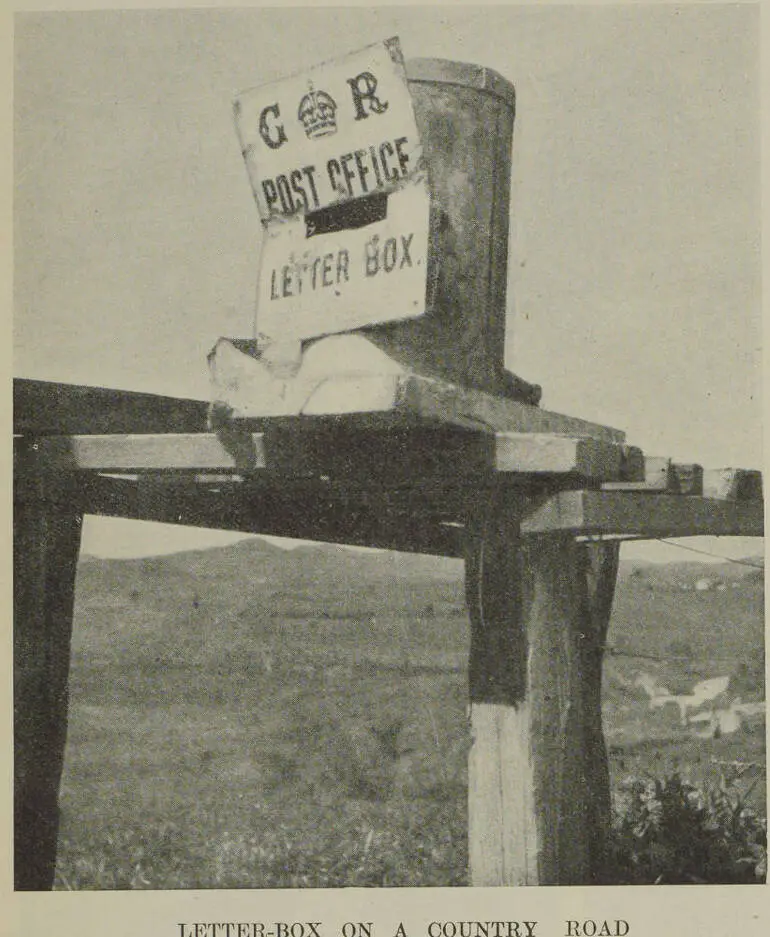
point(46, 530)
point(600, 569)
point(538, 778)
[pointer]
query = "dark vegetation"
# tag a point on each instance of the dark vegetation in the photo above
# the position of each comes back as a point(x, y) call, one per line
point(248, 717)
point(672, 833)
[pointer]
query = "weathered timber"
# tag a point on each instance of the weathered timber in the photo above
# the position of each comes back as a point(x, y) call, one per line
point(644, 515)
point(343, 374)
point(425, 518)
point(540, 453)
point(305, 512)
point(689, 477)
point(46, 530)
point(340, 447)
point(633, 465)
point(46, 407)
point(539, 607)
point(151, 452)
point(502, 819)
point(476, 410)
point(732, 484)
point(553, 602)
point(659, 475)
point(598, 564)
point(465, 116)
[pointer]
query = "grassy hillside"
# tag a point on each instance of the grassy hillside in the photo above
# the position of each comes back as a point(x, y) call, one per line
point(250, 717)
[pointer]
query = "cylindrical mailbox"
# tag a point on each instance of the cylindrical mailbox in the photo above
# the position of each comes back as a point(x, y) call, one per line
point(465, 116)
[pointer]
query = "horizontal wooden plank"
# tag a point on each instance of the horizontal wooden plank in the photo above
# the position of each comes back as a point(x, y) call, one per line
point(50, 408)
point(539, 453)
point(304, 512)
point(314, 513)
point(349, 375)
point(658, 475)
point(425, 399)
point(644, 515)
point(689, 477)
point(439, 400)
point(400, 453)
point(733, 484)
point(150, 452)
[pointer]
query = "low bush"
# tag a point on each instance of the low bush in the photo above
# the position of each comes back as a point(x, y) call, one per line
point(669, 832)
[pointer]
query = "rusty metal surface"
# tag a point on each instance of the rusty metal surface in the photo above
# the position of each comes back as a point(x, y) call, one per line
point(446, 71)
point(465, 115)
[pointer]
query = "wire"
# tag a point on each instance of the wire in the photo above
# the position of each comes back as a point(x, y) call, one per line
point(716, 556)
point(612, 651)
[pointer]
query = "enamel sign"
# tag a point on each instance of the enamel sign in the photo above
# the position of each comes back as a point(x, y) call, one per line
point(336, 167)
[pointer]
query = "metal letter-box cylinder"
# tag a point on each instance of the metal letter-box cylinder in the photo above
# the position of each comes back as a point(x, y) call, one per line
point(465, 116)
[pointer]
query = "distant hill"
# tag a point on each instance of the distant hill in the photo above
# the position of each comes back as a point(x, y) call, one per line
point(252, 560)
point(655, 605)
point(258, 551)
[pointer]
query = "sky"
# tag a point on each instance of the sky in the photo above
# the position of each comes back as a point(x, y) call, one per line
point(120, 538)
point(634, 273)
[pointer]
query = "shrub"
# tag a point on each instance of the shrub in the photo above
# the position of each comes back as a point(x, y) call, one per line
point(670, 832)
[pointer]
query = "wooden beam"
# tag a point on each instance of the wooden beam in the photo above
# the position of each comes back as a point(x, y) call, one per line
point(689, 476)
point(538, 810)
point(732, 484)
point(553, 614)
point(598, 566)
point(301, 512)
point(400, 452)
point(659, 475)
point(643, 515)
point(460, 406)
point(323, 387)
point(503, 834)
point(548, 453)
point(151, 452)
point(49, 408)
point(319, 512)
point(374, 450)
point(46, 531)
point(633, 467)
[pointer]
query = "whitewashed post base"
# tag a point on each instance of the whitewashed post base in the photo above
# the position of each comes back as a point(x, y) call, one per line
point(538, 785)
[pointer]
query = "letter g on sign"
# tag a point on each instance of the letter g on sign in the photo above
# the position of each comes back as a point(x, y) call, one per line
point(270, 130)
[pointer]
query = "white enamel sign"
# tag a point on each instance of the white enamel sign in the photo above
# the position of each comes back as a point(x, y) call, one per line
point(346, 279)
point(341, 130)
point(336, 166)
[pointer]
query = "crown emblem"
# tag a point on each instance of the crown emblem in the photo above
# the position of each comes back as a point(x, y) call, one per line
point(316, 111)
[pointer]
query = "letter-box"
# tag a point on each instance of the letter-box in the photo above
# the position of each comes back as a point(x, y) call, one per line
point(465, 115)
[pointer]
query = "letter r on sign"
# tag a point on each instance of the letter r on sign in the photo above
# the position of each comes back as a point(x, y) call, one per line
point(364, 87)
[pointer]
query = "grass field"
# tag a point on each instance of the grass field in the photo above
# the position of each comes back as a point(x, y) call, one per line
point(247, 717)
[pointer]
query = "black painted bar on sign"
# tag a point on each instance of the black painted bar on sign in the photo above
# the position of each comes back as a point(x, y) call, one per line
point(357, 213)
